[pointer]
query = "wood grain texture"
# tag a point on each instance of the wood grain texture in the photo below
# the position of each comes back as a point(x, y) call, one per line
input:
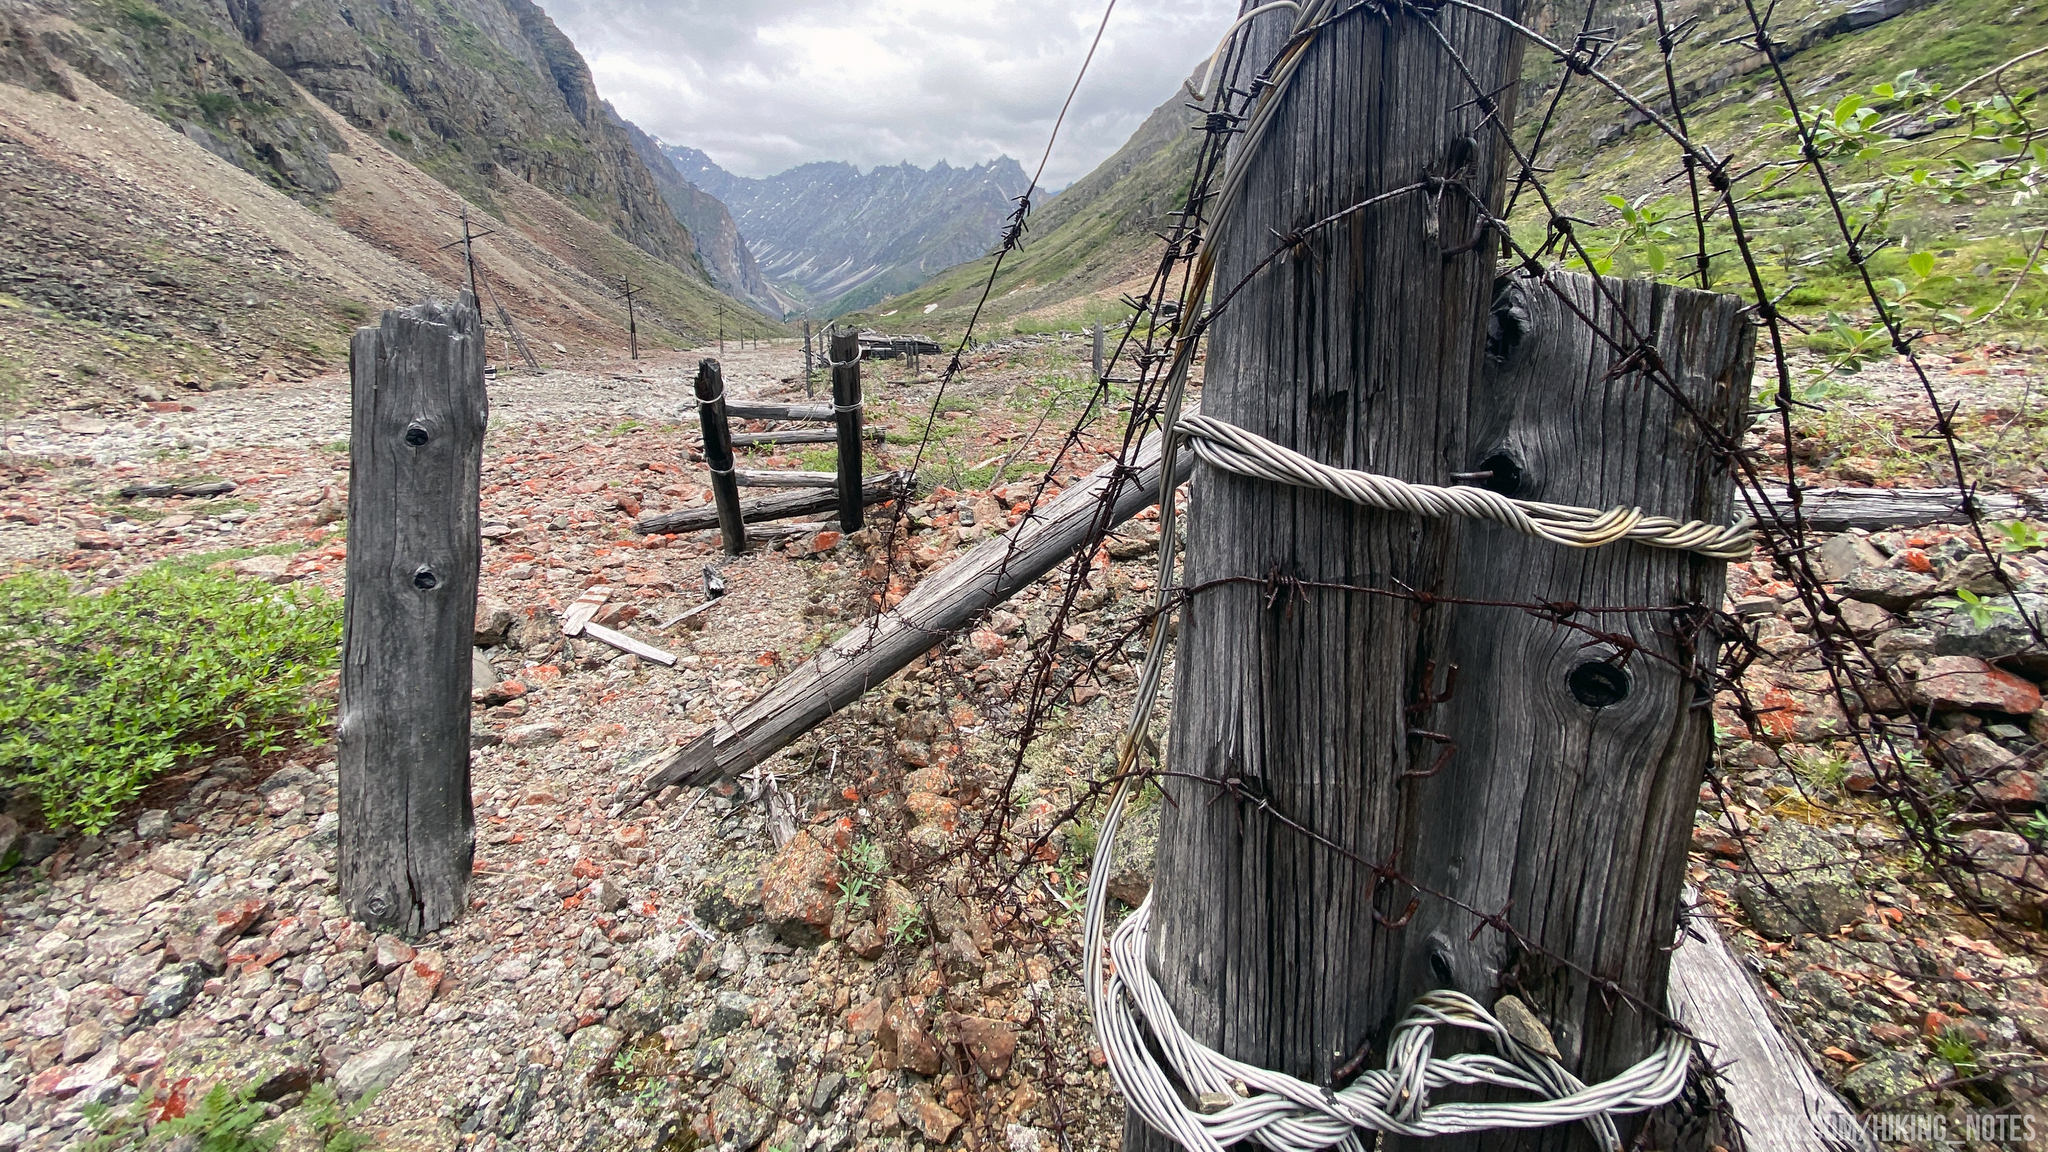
point(799, 502)
point(1576, 818)
point(1836, 509)
point(415, 454)
point(1360, 349)
point(725, 492)
point(988, 574)
point(798, 436)
point(847, 412)
point(754, 479)
point(759, 410)
point(1777, 1100)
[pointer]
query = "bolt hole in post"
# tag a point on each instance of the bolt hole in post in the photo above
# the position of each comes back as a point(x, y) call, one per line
point(1598, 684)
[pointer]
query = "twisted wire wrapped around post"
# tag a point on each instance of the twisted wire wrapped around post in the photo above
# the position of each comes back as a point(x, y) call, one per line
point(1232, 449)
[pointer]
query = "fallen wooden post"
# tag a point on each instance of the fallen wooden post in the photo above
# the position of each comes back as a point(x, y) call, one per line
point(1876, 509)
point(751, 479)
point(756, 410)
point(189, 491)
point(846, 409)
point(1772, 1092)
point(418, 412)
point(802, 502)
point(988, 574)
point(798, 436)
point(725, 493)
point(625, 643)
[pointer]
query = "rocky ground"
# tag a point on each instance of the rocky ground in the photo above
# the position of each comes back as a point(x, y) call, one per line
point(670, 978)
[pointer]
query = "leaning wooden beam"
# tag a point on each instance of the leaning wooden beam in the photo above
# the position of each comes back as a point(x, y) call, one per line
point(754, 410)
point(751, 479)
point(1836, 509)
point(887, 486)
point(796, 436)
point(625, 643)
point(989, 574)
point(1770, 1087)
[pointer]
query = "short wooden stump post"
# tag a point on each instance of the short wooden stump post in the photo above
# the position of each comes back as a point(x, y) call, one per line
point(415, 460)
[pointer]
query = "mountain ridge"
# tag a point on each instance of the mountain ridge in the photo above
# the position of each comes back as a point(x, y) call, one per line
point(842, 238)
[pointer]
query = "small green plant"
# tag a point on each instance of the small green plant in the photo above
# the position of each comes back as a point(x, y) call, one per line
point(1980, 610)
point(2020, 536)
point(217, 106)
point(101, 694)
point(909, 927)
point(222, 1121)
point(398, 136)
point(1955, 1048)
point(864, 864)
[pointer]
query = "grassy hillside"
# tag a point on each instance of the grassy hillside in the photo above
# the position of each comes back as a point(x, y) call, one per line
point(1623, 181)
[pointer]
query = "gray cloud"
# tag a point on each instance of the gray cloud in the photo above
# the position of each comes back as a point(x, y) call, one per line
point(763, 86)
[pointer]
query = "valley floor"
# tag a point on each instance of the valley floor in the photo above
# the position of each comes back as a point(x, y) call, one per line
point(657, 980)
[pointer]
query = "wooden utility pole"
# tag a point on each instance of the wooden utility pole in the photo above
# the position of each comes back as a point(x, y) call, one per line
point(1556, 806)
point(725, 489)
point(845, 356)
point(632, 325)
point(415, 459)
point(469, 254)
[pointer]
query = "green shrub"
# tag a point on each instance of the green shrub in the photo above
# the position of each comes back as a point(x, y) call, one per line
point(100, 694)
point(217, 106)
point(142, 14)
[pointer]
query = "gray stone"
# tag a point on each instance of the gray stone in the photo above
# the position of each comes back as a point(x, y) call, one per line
point(1845, 554)
point(1889, 1078)
point(1802, 885)
point(373, 1071)
point(731, 1011)
point(173, 991)
point(1895, 589)
point(481, 674)
point(10, 842)
point(520, 1101)
point(37, 847)
point(2003, 638)
point(12, 1135)
point(591, 1051)
point(154, 824)
point(826, 1091)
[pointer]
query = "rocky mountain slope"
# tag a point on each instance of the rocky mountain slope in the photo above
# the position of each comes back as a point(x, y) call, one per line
point(719, 243)
point(845, 239)
point(137, 259)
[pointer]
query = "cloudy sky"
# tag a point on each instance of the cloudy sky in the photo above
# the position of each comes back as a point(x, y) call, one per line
point(762, 85)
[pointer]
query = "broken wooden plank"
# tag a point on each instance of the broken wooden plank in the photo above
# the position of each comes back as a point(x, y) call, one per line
point(209, 488)
point(984, 577)
point(887, 486)
point(796, 436)
point(876, 346)
point(584, 609)
point(1771, 1088)
point(753, 479)
point(1875, 509)
point(625, 643)
point(756, 410)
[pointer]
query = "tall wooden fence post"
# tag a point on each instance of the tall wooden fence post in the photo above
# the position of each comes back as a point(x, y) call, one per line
point(845, 357)
point(1097, 359)
point(725, 488)
point(1544, 784)
point(415, 459)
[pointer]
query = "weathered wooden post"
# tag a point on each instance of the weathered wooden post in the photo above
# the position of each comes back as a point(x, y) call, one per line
point(1494, 768)
point(1097, 361)
point(845, 359)
point(725, 489)
point(415, 459)
point(632, 323)
point(808, 389)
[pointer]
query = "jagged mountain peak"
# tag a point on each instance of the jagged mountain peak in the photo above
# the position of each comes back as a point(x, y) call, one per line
point(844, 238)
